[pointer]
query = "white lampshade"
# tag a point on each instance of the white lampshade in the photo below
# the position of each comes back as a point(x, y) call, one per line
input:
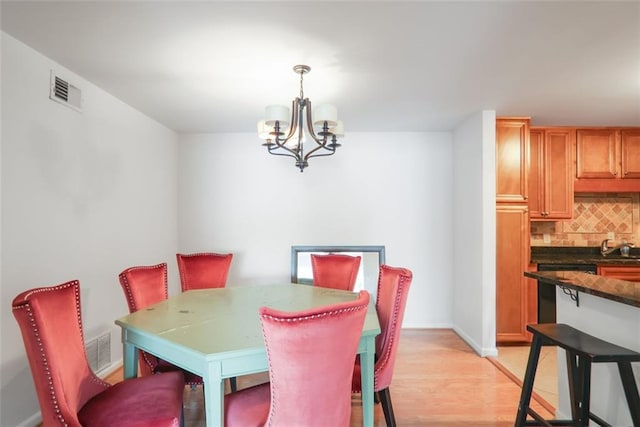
point(264, 130)
point(325, 113)
point(338, 129)
point(276, 113)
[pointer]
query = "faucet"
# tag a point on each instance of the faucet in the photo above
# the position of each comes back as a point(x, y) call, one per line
point(624, 248)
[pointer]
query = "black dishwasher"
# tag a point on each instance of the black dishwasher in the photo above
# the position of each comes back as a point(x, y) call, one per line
point(547, 293)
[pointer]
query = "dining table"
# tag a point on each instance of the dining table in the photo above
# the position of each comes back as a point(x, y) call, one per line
point(216, 334)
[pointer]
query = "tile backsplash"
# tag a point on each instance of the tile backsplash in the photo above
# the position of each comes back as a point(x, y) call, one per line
point(595, 215)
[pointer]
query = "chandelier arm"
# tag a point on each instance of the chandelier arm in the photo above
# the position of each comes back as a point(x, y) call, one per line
point(295, 111)
point(280, 141)
point(275, 153)
point(310, 130)
point(331, 153)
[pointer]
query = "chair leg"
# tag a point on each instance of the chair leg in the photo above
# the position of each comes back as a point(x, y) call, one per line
point(387, 407)
point(574, 381)
point(630, 391)
point(584, 373)
point(527, 385)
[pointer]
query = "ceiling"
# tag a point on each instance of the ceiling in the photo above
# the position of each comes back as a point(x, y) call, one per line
point(212, 66)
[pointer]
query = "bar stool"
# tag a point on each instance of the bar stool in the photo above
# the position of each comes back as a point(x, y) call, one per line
point(582, 350)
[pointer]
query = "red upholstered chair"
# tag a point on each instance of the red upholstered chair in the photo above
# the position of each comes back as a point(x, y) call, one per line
point(393, 288)
point(335, 271)
point(310, 356)
point(144, 286)
point(203, 270)
point(70, 394)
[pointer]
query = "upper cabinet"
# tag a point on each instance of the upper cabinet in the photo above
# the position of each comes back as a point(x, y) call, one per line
point(630, 153)
point(607, 159)
point(512, 158)
point(551, 174)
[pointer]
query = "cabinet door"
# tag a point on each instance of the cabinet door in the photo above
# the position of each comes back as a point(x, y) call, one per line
point(596, 155)
point(513, 290)
point(622, 272)
point(551, 173)
point(536, 174)
point(512, 159)
point(558, 169)
point(630, 145)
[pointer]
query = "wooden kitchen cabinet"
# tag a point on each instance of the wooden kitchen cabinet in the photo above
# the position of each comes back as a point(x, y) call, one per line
point(622, 272)
point(630, 153)
point(607, 159)
point(551, 173)
point(515, 294)
point(512, 159)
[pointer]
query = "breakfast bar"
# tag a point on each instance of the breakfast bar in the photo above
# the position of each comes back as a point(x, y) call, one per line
point(608, 309)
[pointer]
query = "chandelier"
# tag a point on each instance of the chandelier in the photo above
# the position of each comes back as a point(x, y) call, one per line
point(288, 136)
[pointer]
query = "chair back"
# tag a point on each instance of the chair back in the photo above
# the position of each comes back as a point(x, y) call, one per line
point(203, 270)
point(335, 271)
point(391, 299)
point(144, 286)
point(311, 356)
point(51, 326)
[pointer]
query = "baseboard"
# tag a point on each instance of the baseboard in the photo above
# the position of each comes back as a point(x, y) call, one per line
point(33, 421)
point(481, 351)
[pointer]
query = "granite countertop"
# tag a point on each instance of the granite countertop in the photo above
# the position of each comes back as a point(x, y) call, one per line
point(605, 287)
point(581, 255)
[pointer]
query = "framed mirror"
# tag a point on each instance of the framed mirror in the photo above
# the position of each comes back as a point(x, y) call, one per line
point(372, 258)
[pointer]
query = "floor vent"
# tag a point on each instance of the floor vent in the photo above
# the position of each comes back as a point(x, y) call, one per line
point(64, 92)
point(99, 352)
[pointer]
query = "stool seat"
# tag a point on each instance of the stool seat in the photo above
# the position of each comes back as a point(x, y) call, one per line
point(581, 350)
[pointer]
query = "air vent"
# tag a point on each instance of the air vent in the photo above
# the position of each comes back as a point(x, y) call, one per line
point(64, 92)
point(99, 352)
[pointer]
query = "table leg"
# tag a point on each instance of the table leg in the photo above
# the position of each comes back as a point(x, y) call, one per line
point(214, 397)
point(129, 358)
point(366, 372)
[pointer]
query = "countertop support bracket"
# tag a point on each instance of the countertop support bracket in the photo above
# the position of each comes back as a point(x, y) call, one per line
point(574, 295)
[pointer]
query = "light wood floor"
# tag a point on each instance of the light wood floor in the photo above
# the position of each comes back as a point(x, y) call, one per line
point(438, 381)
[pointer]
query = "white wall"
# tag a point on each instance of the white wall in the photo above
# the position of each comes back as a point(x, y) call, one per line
point(474, 232)
point(392, 189)
point(84, 196)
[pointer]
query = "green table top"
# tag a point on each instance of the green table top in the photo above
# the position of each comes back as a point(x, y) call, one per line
point(213, 321)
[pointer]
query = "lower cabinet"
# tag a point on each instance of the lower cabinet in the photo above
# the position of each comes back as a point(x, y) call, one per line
point(622, 272)
point(516, 295)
